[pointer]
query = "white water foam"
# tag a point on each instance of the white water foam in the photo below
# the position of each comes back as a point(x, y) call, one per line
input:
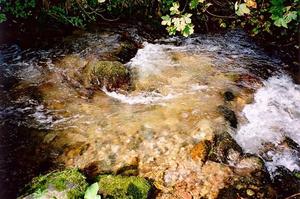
point(141, 98)
point(274, 115)
point(153, 58)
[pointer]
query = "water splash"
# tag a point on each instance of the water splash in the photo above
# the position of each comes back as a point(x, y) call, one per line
point(274, 116)
point(153, 58)
point(141, 98)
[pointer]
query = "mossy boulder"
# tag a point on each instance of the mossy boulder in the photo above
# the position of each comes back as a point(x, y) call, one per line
point(123, 187)
point(109, 74)
point(67, 184)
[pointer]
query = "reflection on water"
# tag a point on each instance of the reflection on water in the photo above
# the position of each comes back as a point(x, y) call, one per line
point(172, 107)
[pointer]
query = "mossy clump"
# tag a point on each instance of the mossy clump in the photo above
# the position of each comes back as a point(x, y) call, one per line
point(124, 187)
point(69, 184)
point(108, 74)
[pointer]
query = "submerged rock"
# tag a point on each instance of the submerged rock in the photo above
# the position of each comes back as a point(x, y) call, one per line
point(124, 187)
point(200, 151)
point(228, 96)
point(65, 184)
point(108, 74)
point(229, 115)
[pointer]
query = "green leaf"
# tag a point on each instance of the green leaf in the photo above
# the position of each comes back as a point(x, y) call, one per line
point(91, 192)
point(241, 9)
point(166, 20)
point(175, 8)
point(2, 17)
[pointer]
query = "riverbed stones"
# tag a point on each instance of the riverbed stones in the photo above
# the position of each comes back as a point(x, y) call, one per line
point(123, 187)
point(65, 184)
point(108, 74)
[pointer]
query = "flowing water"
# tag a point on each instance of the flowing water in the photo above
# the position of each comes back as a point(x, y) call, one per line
point(177, 88)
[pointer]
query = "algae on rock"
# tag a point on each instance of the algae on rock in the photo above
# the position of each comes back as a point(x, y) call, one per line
point(108, 74)
point(124, 187)
point(67, 184)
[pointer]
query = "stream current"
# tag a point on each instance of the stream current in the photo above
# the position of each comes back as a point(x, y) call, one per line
point(49, 120)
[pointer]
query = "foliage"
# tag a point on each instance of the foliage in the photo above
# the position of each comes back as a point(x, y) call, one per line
point(17, 8)
point(256, 15)
point(279, 18)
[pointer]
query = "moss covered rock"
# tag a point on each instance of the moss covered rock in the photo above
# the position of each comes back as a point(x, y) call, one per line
point(108, 74)
point(67, 184)
point(123, 187)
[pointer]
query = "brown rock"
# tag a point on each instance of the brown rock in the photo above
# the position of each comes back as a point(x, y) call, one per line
point(200, 151)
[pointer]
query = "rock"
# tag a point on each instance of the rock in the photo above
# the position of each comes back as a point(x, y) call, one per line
point(228, 96)
point(127, 51)
point(285, 183)
point(247, 187)
point(250, 164)
point(108, 74)
point(215, 177)
point(65, 184)
point(200, 151)
point(130, 169)
point(229, 115)
point(222, 145)
point(288, 142)
point(117, 187)
point(249, 81)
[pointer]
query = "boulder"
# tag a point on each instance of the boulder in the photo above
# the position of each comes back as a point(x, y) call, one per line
point(109, 74)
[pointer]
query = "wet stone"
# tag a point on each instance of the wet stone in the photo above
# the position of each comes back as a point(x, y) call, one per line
point(200, 151)
point(222, 146)
point(247, 187)
point(229, 115)
point(285, 183)
point(228, 96)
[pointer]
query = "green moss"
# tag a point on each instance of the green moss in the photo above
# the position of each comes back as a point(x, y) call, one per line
point(111, 74)
point(124, 187)
point(297, 174)
point(69, 182)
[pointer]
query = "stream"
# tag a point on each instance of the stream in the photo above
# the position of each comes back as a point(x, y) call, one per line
point(50, 118)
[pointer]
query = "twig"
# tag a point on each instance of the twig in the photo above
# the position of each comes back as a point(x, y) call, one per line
point(219, 16)
point(297, 194)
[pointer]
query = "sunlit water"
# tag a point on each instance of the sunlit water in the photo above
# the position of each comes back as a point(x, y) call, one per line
point(173, 106)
